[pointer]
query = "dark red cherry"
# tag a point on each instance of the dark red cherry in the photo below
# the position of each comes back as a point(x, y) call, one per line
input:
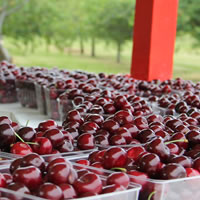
point(85, 141)
point(27, 133)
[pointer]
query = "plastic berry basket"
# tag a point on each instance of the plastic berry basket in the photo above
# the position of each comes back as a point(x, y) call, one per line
point(8, 92)
point(131, 193)
point(154, 189)
point(40, 97)
point(26, 93)
point(51, 96)
point(64, 106)
point(6, 158)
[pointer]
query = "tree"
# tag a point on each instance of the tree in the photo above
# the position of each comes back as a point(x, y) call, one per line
point(117, 22)
point(7, 8)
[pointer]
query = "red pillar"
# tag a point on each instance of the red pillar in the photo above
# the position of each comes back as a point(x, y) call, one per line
point(154, 39)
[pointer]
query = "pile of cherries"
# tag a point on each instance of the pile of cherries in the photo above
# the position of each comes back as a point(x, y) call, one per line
point(47, 138)
point(59, 179)
point(8, 73)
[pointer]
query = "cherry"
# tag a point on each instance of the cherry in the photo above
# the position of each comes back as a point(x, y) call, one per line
point(67, 146)
point(85, 141)
point(33, 159)
point(193, 137)
point(89, 182)
point(191, 172)
point(102, 140)
point(138, 177)
point(15, 164)
point(109, 108)
point(18, 187)
point(124, 132)
point(68, 191)
point(182, 160)
point(5, 120)
point(74, 132)
point(117, 140)
point(112, 188)
point(7, 135)
point(141, 123)
point(172, 171)
point(98, 119)
point(50, 191)
point(30, 176)
point(132, 129)
point(8, 178)
point(89, 127)
point(74, 115)
point(46, 125)
point(180, 136)
point(21, 148)
point(110, 125)
point(158, 147)
point(58, 173)
point(146, 135)
point(134, 152)
point(55, 161)
point(196, 164)
point(123, 117)
point(70, 124)
point(173, 148)
point(114, 157)
point(2, 180)
point(149, 163)
point(27, 133)
point(43, 145)
point(55, 136)
point(119, 178)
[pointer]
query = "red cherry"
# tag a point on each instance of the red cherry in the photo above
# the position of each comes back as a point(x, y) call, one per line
point(89, 182)
point(27, 133)
point(141, 123)
point(2, 180)
point(21, 148)
point(8, 178)
point(123, 117)
point(56, 161)
point(112, 188)
point(58, 173)
point(50, 191)
point(138, 177)
point(30, 176)
point(134, 152)
point(85, 141)
point(43, 145)
point(15, 164)
point(192, 172)
point(68, 191)
point(114, 157)
point(119, 178)
point(46, 125)
point(55, 136)
point(110, 125)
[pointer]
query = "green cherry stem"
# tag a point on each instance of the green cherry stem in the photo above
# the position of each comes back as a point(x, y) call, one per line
point(27, 122)
point(32, 143)
point(173, 141)
point(119, 168)
point(19, 137)
point(150, 196)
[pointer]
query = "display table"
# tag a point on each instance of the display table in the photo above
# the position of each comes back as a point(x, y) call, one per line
point(22, 115)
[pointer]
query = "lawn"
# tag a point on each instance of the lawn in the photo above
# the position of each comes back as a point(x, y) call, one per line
point(186, 62)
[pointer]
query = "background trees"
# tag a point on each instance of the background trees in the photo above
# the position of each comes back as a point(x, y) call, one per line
point(60, 23)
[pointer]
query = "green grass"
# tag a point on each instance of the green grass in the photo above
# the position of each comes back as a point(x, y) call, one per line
point(186, 61)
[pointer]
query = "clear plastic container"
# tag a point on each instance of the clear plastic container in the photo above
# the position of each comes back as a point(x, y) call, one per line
point(130, 194)
point(26, 93)
point(51, 96)
point(176, 189)
point(8, 92)
point(40, 97)
point(64, 106)
point(6, 158)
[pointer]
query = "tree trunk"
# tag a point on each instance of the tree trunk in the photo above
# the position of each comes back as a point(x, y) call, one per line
point(93, 53)
point(118, 52)
point(81, 46)
point(4, 54)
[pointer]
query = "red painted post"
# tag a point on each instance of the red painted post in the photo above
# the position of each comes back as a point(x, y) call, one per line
point(154, 39)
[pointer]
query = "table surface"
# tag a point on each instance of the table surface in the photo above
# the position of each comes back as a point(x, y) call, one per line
point(21, 115)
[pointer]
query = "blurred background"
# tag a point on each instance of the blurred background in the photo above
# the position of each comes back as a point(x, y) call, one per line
point(91, 35)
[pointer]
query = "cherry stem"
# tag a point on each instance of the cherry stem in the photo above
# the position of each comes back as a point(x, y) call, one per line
point(27, 122)
point(150, 196)
point(32, 143)
point(19, 137)
point(119, 168)
point(174, 141)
